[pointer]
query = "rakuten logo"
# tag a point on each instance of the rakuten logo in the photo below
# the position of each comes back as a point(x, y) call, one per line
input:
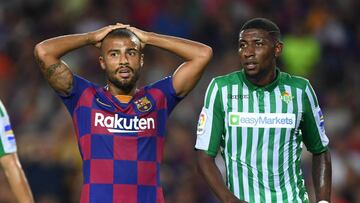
point(117, 124)
point(262, 120)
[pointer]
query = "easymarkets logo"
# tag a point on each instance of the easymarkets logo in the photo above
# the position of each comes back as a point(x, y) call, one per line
point(262, 120)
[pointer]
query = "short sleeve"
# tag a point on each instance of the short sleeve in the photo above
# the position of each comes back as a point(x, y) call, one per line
point(166, 86)
point(7, 138)
point(312, 125)
point(211, 121)
point(71, 100)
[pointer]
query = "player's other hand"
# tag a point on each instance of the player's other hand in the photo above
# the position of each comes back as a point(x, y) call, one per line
point(142, 35)
point(95, 37)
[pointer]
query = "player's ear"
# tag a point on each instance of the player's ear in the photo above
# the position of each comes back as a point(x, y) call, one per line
point(102, 62)
point(278, 49)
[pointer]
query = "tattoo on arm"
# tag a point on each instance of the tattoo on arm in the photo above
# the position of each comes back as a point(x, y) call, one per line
point(58, 75)
point(51, 69)
point(47, 71)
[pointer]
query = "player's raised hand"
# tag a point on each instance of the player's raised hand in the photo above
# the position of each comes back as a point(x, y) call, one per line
point(97, 36)
point(142, 35)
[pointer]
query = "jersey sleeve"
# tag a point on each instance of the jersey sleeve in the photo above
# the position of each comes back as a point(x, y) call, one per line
point(211, 121)
point(7, 138)
point(166, 86)
point(312, 125)
point(71, 100)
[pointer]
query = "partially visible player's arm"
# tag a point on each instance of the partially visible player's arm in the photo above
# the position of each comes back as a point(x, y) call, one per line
point(321, 172)
point(211, 173)
point(16, 177)
point(49, 52)
point(195, 54)
point(316, 141)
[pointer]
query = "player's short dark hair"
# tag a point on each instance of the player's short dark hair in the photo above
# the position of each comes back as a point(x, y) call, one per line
point(121, 32)
point(264, 24)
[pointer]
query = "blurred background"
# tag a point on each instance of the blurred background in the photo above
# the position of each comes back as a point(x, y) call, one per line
point(322, 43)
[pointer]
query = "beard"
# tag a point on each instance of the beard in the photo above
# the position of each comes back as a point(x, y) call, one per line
point(124, 84)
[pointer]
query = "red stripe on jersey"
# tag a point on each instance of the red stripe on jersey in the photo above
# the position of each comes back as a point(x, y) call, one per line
point(159, 97)
point(85, 194)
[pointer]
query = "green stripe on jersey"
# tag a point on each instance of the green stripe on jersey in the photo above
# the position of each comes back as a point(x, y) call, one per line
point(2, 151)
point(2, 126)
point(261, 128)
point(2, 110)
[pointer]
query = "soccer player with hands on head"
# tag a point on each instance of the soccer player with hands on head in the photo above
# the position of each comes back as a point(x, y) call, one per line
point(120, 127)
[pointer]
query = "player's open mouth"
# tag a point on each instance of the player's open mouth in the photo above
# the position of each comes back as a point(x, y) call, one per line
point(250, 65)
point(124, 72)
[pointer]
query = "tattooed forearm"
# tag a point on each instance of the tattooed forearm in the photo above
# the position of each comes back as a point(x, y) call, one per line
point(51, 69)
point(47, 71)
point(55, 71)
point(39, 61)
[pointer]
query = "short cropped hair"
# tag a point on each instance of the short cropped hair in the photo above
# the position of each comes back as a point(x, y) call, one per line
point(122, 32)
point(264, 24)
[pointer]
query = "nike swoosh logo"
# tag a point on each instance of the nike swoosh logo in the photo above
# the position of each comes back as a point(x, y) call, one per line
point(102, 103)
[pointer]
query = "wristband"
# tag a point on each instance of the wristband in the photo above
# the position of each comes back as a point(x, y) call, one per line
point(323, 201)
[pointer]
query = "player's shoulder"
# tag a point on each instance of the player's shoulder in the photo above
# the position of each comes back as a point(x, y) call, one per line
point(227, 79)
point(164, 84)
point(294, 80)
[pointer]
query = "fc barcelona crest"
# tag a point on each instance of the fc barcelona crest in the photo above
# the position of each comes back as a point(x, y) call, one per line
point(143, 104)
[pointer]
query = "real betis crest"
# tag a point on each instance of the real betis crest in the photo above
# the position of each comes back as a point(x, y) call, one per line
point(143, 104)
point(286, 97)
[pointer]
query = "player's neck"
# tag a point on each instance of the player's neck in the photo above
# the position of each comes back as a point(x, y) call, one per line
point(262, 80)
point(121, 91)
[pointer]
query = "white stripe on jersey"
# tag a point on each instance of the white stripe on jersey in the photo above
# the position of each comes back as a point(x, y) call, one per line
point(287, 151)
point(235, 90)
point(227, 161)
point(255, 139)
point(265, 151)
point(276, 156)
point(299, 93)
point(203, 141)
point(7, 138)
point(315, 111)
point(244, 146)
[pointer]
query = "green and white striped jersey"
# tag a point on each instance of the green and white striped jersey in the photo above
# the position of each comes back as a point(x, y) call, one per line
point(7, 139)
point(260, 131)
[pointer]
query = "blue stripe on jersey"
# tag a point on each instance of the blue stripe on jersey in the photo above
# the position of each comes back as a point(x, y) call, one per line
point(83, 114)
point(101, 193)
point(147, 148)
point(161, 130)
point(79, 85)
point(102, 147)
point(11, 138)
point(7, 127)
point(86, 171)
point(126, 172)
point(150, 194)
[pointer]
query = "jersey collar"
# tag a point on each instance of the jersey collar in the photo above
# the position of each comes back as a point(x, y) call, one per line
point(268, 87)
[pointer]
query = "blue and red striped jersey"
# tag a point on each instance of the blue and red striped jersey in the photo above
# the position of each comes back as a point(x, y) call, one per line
point(121, 144)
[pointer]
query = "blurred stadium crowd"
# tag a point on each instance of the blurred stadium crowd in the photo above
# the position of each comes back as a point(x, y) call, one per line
point(322, 43)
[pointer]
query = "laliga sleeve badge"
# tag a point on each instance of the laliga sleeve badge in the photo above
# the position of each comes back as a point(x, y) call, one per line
point(201, 122)
point(321, 119)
